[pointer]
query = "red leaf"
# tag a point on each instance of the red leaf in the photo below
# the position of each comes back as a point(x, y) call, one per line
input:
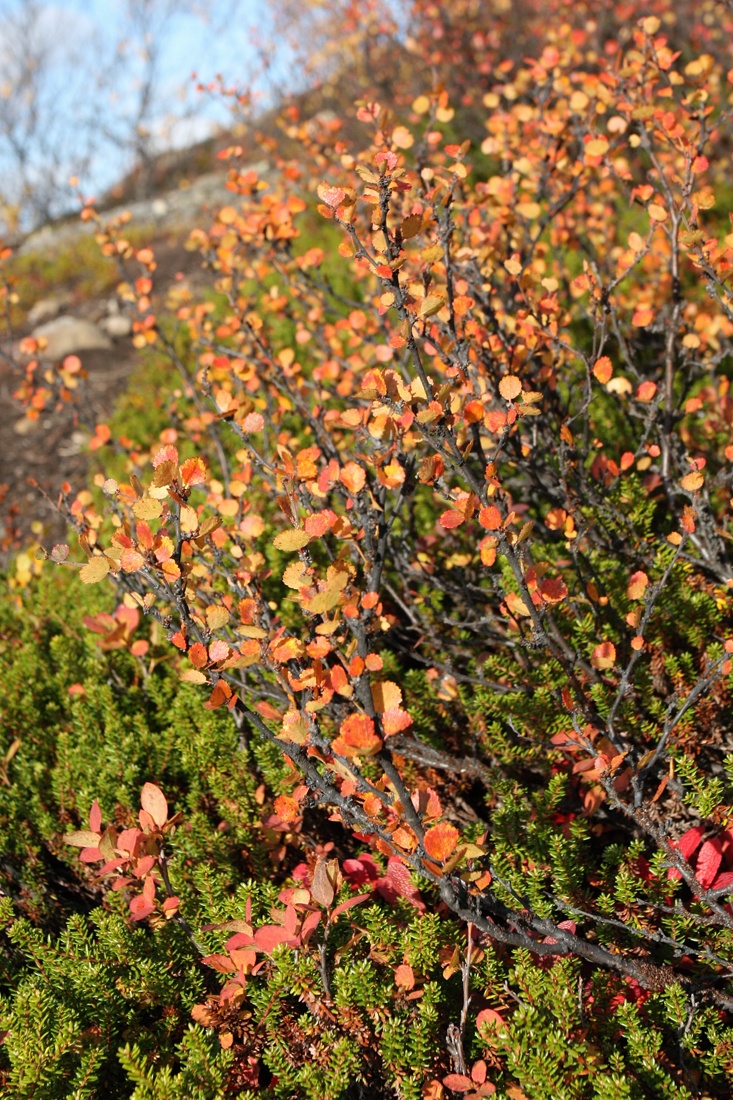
point(349, 905)
point(397, 883)
point(489, 1018)
point(222, 963)
point(309, 926)
point(95, 817)
point(708, 862)
point(140, 908)
point(451, 518)
point(723, 880)
point(690, 841)
point(270, 936)
point(90, 855)
point(458, 1082)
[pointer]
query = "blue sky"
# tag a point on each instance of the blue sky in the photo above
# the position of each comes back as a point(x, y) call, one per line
point(81, 37)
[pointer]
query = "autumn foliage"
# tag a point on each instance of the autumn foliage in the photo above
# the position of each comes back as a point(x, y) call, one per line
point(440, 515)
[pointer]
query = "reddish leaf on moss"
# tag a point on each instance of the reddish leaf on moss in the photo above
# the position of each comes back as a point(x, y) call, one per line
point(708, 863)
point(458, 1082)
point(140, 908)
point(404, 976)
point(271, 936)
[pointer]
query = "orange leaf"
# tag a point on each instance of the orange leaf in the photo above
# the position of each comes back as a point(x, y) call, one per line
point(357, 737)
point(646, 392)
point(441, 841)
point(131, 561)
point(353, 477)
point(490, 518)
point(603, 370)
point(693, 481)
point(193, 471)
point(404, 976)
point(394, 720)
point(510, 387)
point(286, 808)
point(604, 656)
point(636, 587)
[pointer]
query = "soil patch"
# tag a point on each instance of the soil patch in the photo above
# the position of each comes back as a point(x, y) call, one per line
point(52, 449)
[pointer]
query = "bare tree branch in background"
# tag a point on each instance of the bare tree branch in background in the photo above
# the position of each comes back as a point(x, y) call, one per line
point(81, 99)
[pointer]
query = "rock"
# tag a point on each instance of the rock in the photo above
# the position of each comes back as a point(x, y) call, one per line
point(117, 325)
point(47, 308)
point(66, 335)
point(24, 426)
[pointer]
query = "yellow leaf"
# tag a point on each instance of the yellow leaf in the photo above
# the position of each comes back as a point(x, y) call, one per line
point(597, 147)
point(432, 304)
point(693, 481)
point(189, 519)
point(386, 694)
point(251, 632)
point(216, 617)
point(402, 138)
point(94, 570)
point(147, 508)
point(294, 575)
point(193, 676)
point(323, 601)
point(294, 539)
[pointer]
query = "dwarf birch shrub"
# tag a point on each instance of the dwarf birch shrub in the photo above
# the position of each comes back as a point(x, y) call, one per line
point(404, 769)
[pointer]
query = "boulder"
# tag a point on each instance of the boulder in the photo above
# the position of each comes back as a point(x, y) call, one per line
point(117, 325)
point(66, 335)
point(47, 308)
